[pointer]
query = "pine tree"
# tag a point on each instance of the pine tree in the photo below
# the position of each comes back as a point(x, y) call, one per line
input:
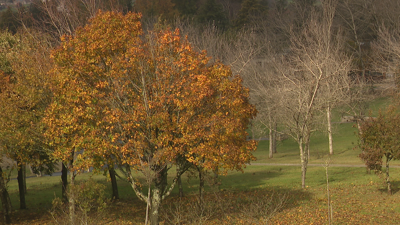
point(8, 20)
point(213, 12)
point(250, 13)
point(186, 8)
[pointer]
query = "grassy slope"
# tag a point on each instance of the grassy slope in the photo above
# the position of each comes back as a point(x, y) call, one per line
point(357, 197)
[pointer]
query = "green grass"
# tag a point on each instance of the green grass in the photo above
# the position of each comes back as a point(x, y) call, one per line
point(345, 141)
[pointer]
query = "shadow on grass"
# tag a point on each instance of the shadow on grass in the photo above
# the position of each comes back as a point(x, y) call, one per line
point(242, 198)
point(232, 206)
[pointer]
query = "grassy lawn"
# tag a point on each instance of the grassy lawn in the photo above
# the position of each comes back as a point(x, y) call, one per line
point(258, 194)
point(344, 141)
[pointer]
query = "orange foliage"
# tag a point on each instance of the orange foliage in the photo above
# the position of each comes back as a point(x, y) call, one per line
point(145, 98)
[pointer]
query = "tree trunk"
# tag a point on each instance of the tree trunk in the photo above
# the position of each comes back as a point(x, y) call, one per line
point(329, 115)
point(21, 188)
point(155, 206)
point(216, 182)
point(71, 197)
point(5, 199)
point(303, 146)
point(389, 186)
point(271, 143)
point(180, 187)
point(114, 185)
point(359, 130)
point(252, 131)
point(201, 184)
point(274, 137)
point(64, 181)
point(24, 176)
point(160, 184)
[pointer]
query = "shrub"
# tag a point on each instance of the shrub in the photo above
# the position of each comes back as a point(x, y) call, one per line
point(90, 198)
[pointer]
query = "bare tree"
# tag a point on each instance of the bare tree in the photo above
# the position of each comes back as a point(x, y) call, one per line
point(65, 16)
point(314, 60)
point(386, 47)
point(363, 22)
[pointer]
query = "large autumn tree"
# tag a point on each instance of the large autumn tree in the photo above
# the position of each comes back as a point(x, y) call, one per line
point(145, 101)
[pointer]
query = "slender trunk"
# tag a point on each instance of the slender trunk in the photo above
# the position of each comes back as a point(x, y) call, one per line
point(274, 137)
point(359, 130)
point(329, 195)
point(304, 160)
point(271, 143)
point(64, 181)
point(114, 185)
point(5, 199)
point(24, 176)
point(148, 204)
point(252, 131)
point(389, 186)
point(21, 188)
point(216, 176)
point(329, 115)
point(180, 187)
point(30, 169)
point(71, 197)
point(201, 184)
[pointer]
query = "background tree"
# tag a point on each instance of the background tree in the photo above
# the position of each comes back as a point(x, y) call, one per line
point(23, 101)
point(315, 57)
point(251, 13)
point(61, 17)
point(9, 20)
point(212, 12)
point(385, 47)
point(156, 8)
point(168, 108)
point(4, 196)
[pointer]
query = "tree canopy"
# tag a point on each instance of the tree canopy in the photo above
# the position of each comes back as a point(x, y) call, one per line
point(146, 102)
